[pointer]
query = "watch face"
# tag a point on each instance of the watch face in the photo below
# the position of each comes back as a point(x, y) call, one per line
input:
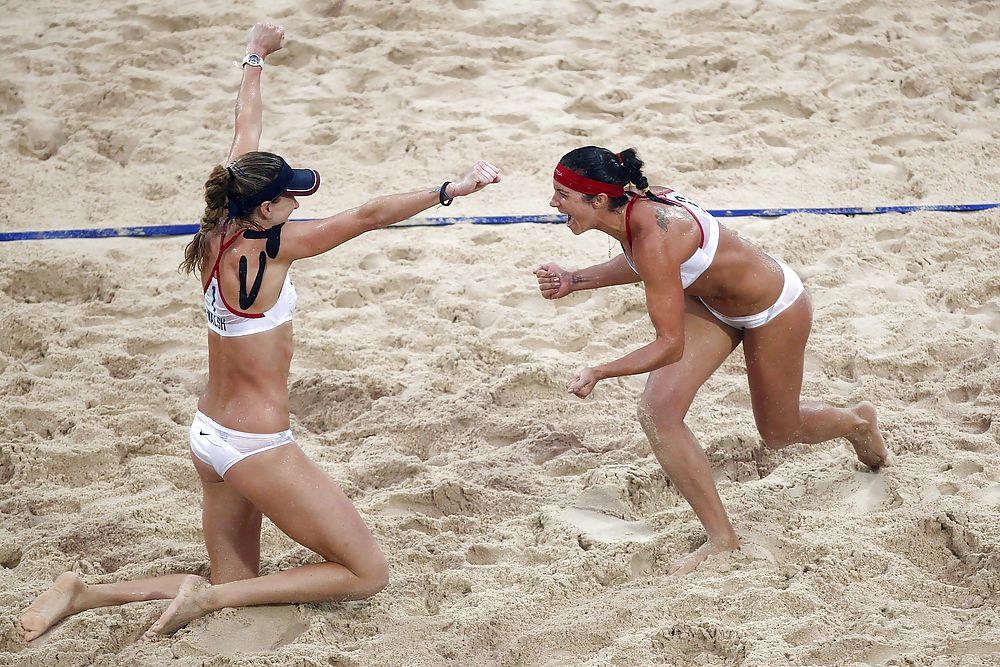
point(254, 60)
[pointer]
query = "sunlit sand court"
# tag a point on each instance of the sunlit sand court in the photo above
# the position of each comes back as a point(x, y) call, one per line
point(521, 525)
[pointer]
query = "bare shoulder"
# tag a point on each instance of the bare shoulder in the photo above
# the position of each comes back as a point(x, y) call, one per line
point(664, 218)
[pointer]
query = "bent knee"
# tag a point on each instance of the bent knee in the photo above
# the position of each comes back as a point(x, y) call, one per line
point(377, 582)
point(373, 578)
point(654, 414)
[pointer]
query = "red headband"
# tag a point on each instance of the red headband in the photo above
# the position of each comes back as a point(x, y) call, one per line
point(587, 186)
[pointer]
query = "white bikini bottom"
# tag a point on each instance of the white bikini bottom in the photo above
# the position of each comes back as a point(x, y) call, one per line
point(222, 447)
point(789, 293)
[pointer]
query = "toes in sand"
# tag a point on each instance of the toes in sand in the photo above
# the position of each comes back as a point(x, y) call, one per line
point(867, 439)
point(690, 562)
point(189, 604)
point(55, 604)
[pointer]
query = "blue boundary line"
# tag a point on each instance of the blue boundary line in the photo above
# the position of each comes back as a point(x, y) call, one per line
point(179, 230)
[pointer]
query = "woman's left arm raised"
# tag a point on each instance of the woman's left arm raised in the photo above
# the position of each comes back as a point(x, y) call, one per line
point(263, 39)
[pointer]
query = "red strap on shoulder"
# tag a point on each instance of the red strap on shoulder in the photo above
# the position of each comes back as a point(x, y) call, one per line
point(223, 247)
point(628, 216)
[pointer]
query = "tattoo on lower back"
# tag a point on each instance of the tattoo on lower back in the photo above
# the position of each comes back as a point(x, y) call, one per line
point(661, 218)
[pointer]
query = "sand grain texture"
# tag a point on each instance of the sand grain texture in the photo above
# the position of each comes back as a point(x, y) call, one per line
point(523, 526)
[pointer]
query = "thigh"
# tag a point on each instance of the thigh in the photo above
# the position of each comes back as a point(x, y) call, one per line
point(231, 526)
point(307, 505)
point(775, 356)
point(707, 343)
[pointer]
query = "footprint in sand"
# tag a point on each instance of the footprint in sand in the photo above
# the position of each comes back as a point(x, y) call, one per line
point(60, 282)
point(783, 104)
point(328, 400)
point(907, 140)
point(444, 499)
point(116, 145)
point(41, 136)
point(890, 169)
point(548, 446)
point(43, 422)
point(976, 424)
point(966, 394)
point(525, 384)
point(445, 591)
point(935, 491)
point(642, 563)
point(890, 240)
point(705, 639)
point(241, 631)
point(964, 544)
point(487, 238)
point(10, 554)
point(862, 492)
point(589, 106)
point(597, 515)
point(601, 527)
point(989, 495)
point(966, 468)
point(483, 554)
point(782, 151)
point(121, 366)
point(988, 315)
point(350, 298)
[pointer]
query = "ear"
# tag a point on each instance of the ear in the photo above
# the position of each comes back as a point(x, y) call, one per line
point(600, 200)
point(265, 210)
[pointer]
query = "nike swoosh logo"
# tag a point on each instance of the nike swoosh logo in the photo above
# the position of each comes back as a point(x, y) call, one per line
point(202, 433)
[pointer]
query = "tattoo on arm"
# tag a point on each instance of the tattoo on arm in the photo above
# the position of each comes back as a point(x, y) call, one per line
point(577, 279)
point(661, 219)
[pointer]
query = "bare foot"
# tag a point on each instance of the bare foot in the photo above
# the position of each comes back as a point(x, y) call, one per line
point(867, 439)
point(55, 604)
point(689, 563)
point(189, 604)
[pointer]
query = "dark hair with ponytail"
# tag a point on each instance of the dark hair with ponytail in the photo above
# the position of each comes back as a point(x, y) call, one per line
point(600, 164)
point(246, 175)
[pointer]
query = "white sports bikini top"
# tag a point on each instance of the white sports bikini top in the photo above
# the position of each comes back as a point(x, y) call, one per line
point(227, 321)
point(704, 254)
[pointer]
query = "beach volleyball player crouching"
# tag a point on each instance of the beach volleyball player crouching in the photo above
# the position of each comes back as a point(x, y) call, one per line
point(707, 290)
point(241, 445)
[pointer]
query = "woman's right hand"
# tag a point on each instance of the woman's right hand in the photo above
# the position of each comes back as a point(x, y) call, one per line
point(553, 281)
point(265, 38)
point(482, 174)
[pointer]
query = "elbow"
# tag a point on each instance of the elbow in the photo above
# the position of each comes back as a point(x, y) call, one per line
point(370, 216)
point(671, 350)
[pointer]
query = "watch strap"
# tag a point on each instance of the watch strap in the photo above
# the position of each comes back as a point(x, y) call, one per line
point(253, 60)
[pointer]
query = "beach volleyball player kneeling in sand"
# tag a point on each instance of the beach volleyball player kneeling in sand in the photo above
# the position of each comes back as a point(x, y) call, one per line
point(706, 290)
point(241, 445)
